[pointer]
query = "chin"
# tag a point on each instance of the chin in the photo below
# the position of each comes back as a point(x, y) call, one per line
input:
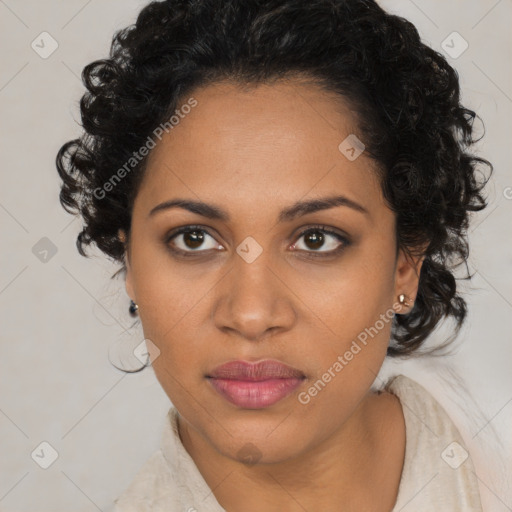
point(261, 443)
point(261, 452)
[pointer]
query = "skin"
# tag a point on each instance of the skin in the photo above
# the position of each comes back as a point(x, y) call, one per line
point(254, 151)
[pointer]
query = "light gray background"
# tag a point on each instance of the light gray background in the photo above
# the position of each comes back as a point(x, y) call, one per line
point(60, 317)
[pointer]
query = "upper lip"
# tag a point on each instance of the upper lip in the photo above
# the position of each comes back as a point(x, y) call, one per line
point(261, 370)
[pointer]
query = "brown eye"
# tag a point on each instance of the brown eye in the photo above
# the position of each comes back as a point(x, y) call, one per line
point(314, 239)
point(191, 239)
point(317, 238)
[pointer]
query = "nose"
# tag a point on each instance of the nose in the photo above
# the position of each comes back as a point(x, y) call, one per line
point(253, 300)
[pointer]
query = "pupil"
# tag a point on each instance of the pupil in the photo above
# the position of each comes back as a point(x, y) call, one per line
point(194, 237)
point(317, 238)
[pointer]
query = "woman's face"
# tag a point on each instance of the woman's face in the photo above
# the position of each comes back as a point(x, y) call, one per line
point(249, 286)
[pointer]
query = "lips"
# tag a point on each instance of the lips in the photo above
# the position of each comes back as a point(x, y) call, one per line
point(255, 385)
point(262, 370)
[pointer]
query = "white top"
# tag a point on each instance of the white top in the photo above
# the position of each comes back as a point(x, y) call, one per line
point(438, 473)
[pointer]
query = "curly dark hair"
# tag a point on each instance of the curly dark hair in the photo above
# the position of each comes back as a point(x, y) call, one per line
point(406, 96)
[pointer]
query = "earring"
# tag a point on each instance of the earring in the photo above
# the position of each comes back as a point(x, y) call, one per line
point(402, 298)
point(133, 308)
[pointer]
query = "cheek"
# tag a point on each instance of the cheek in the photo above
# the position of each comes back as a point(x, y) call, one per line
point(169, 302)
point(351, 295)
point(172, 320)
point(353, 315)
point(167, 291)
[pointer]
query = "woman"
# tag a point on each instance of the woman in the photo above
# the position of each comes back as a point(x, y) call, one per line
point(286, 186)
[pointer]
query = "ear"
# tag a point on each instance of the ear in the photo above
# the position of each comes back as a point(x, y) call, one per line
point(407, 276)
point(129, 278)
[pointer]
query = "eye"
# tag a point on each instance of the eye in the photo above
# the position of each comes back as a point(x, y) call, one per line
point(318, 237)
point(190, 239)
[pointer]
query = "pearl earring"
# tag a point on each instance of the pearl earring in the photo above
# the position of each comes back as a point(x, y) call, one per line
point(402, 298)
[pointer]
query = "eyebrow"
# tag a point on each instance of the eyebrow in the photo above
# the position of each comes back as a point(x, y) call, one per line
point(298, 209)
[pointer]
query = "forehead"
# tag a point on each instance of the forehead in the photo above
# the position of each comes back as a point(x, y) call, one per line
point(258, 143)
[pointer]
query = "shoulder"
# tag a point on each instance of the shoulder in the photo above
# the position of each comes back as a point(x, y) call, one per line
point(438, 470)
point(168, 480)
point(146, 487)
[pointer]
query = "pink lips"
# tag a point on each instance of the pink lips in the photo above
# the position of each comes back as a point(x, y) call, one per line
point(255, 385)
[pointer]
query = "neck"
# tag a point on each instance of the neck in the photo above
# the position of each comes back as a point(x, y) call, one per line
point(359, 466)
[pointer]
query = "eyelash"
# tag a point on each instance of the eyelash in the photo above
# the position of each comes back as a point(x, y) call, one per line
point(315, 254)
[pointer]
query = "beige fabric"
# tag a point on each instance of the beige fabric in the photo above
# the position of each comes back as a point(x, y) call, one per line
point(436, 476)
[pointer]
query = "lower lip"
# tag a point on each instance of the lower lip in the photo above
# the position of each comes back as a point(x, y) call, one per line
point(255, 394)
